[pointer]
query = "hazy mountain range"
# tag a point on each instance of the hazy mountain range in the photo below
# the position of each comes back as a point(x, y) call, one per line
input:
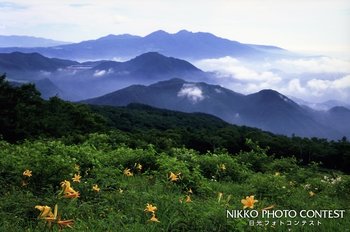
point(155, 77)
point(27, 41)
point(184, 45)
point(267, 109)
point(87, 79)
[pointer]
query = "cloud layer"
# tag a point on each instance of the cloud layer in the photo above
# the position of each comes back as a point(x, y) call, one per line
point(314, 79)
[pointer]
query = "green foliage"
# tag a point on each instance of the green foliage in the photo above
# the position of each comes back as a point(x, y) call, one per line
point(122, 199)
point(256, 158)
point(25, 115)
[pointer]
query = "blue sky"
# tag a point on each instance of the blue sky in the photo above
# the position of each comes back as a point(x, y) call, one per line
point(320, 26)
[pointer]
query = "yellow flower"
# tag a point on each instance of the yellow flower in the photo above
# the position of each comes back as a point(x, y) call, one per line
point(96, 188)
point(127, 172)
point(153, 218)
point(190, 191)
point(220, 194)
point(45, 212)
point(222, 167)
point(72, 195)
point(50, 217)
point(121, 190)
point(174, 177)
point(68, 191)
point(76, 178)
point(27, 173)
point(277, 174)
point(311, 193)
point(150, 208)
point(138, 166)
point(188, 199)
point(248, 202)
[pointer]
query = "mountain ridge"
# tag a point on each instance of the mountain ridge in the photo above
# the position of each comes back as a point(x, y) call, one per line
point(28, 41)
point(266, 109)
point(183, 44)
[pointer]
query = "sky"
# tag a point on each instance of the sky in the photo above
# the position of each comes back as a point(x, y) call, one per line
point(315, 26)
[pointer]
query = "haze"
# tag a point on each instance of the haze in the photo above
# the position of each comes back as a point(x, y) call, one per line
point(310, 26)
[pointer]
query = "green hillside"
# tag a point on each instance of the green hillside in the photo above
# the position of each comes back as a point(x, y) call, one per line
point(123, 162)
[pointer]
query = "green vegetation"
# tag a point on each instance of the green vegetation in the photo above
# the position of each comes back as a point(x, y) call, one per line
point(125, 157)
point(25, 115)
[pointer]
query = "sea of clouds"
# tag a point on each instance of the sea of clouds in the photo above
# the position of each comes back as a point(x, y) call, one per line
point(312, 79)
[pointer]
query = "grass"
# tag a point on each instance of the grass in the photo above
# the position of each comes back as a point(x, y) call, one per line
point(120, 204)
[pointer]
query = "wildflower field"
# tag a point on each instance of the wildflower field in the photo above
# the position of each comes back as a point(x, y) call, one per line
point(66, 166)
point(97, 186)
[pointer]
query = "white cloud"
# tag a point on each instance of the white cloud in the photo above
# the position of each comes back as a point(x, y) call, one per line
point(192, 92)
point(100, 73)
point(228, 67)
point(314, 65)
point(312, 79)
point(342, 83)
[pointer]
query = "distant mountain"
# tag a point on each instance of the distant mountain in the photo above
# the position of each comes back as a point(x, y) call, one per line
point(183, 44)
point(149, 66)
point(267, 109)
point(327, 105)
point(27, 41)
point(94, 78)
point(24, 62)
point(45, 87)
point(339, 118)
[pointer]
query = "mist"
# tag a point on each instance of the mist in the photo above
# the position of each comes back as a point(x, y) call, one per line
point(313, 79)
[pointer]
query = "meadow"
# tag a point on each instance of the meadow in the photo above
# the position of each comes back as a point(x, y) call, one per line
point(110, 187)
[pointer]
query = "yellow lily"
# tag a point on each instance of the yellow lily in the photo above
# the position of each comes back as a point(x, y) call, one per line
point(27, 172)
point(138, 166)
point(174, 177)
point(45, 212)
point(96, 188)
point(68, 191)
point(76, 178)
point(153, 218)
point(248, 202)
point(150, 208)
point(127, 172)
point(223, 167)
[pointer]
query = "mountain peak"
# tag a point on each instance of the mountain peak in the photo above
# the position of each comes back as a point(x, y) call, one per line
point(159, 33)
point(171, 81)
point(269, 95)
point(339, 109)
point(121, 36)
point(151, 55)
point(269, 92)
point(184, 32)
